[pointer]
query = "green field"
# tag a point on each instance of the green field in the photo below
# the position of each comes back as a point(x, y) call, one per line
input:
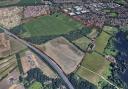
point(19, 2)
point(55, 24)
point(82, 42)
point(88, 75)
point(29, 1)
point(113, 14)
point(109, 49)
point(110, 12)
point(93, 34)
point(36, 85)
point(96, 63)
point(110, 30)
point(102, 41)
point(120, 1)
point(8, 2)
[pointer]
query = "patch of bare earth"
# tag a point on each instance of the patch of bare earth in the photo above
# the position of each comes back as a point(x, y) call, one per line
point(30, 60)
point(65, 54)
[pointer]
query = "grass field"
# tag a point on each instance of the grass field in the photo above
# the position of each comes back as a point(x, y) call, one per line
point(120, 1)
point(55, 24)
point(29, 1)
point(110, 50)
point(8, 2)
point(36, 85)
point(96, 63)
point(82, 42)
point(102, 41)
point(19, 2)
point(110, 30)
point(93, 34)
point(85, 74)
point(110, 12)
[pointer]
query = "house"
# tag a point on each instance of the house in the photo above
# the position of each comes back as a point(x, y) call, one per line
point(34, 11)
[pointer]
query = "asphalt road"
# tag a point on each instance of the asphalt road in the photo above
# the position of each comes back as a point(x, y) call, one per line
point(47, 59)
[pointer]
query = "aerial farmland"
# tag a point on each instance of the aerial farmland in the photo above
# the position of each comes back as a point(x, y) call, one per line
point(63, 44)
point(50, 25)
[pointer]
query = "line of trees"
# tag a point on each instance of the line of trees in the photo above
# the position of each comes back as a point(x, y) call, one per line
point(118, 48)
point(73, 35)
point(37, 75)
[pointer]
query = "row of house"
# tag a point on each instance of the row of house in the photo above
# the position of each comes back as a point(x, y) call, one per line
point(76, 10)
point(34, 11)
point(10, 16)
